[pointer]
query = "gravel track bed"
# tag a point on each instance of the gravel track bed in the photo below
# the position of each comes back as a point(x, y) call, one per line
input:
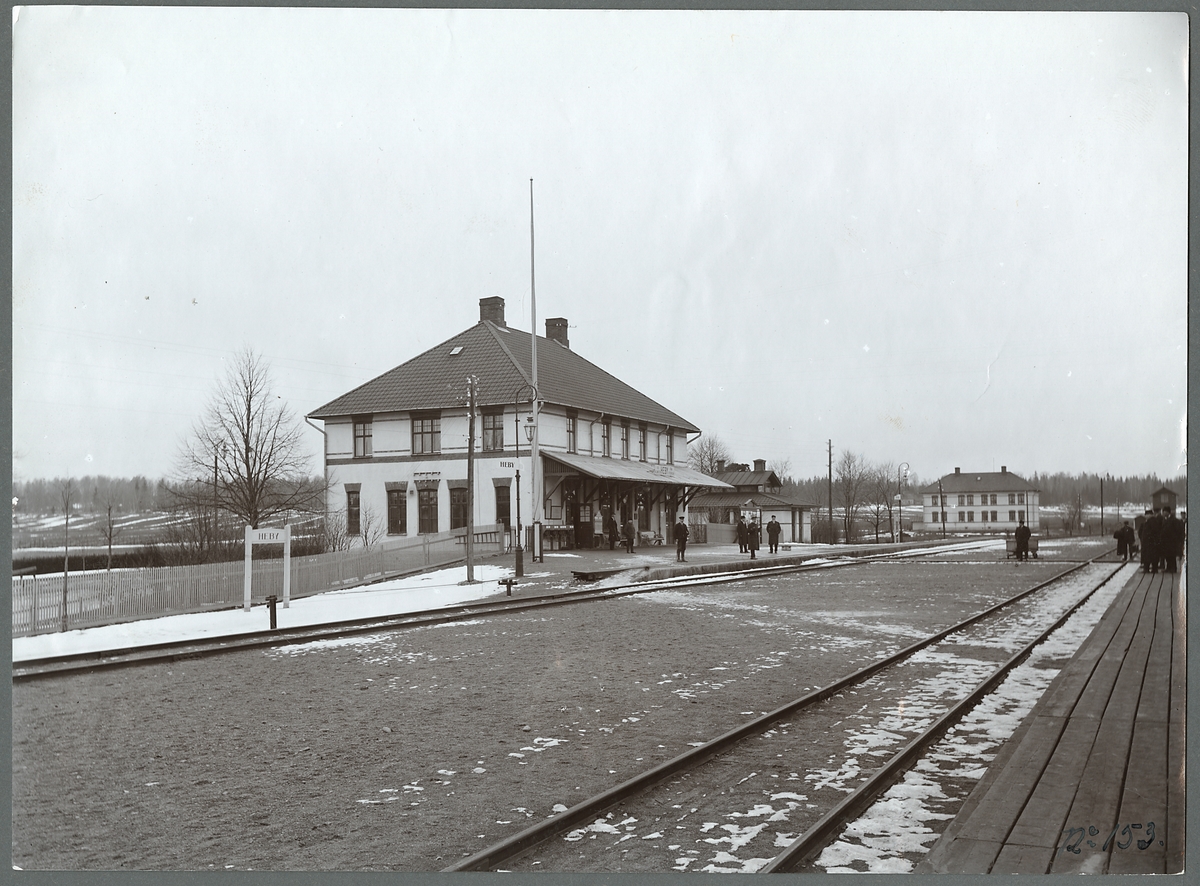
point(409, 750)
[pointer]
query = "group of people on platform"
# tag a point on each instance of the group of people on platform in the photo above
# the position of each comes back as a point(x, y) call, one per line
point(1160, 538)
point(749, 535)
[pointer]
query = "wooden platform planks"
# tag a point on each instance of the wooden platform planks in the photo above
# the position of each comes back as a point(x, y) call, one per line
point(1103, 744)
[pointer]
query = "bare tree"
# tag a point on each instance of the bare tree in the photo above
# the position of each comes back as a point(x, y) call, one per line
point(245, 455)
point(706, 454)
point(878, 492)
point(851, 472)
point(370, 526)
point(109, 529)
point(336, 536)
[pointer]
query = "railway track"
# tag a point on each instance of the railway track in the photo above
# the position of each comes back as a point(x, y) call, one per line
point(182, 650)
point(690, 795)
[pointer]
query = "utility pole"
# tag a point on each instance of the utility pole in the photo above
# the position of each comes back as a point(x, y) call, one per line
point(66, 500)
point(832, 537)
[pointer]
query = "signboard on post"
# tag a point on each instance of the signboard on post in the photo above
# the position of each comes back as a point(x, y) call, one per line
point(270, 536)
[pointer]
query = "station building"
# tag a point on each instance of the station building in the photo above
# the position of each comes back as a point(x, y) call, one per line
point(991, 501)
point(756, 493)
point(396, 447)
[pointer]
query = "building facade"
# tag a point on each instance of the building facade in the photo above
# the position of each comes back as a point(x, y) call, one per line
point(396, 448)
point(756, 493)
point(979, 502)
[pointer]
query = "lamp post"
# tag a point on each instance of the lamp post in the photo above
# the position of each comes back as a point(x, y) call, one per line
point(520, 552)
point(901, 475)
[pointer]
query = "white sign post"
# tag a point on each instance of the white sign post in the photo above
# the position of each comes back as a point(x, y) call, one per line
point(270, 536)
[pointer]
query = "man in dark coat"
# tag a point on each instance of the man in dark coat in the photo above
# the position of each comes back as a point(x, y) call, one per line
point(753, 537)
point(1022, 536)
point(613, 531)
point(629, 533)
point(1172, 539)
point(741, 534)
point(1123, 535)
point(1152, 541)
point(681, 537)
point(773, 529)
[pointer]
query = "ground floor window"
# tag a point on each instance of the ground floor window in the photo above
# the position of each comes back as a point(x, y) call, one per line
point(397, 516)
point(458, 508)
point(427, 511)
point(1012, 516)
point(993, 514)
point(503, 507)
point(970, 516)
point(353, 511)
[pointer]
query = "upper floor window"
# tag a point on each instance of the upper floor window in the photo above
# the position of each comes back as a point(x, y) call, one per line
point(642, 442)
point(670, 447)
point(970, 498)
point(962, 500)
point(572, 431)
point(624, 439)
point(362, 437)
point(1012, 498)
point(426, 432)
point(1020, 498)
point(606, 438)
point(993, 497)
point(493, 431)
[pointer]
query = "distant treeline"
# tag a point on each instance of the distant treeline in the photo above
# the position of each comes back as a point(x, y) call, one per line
point(1054, 489)
point(127, 495)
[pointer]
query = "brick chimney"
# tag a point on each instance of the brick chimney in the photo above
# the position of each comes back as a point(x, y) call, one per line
point(760, 464)
point(556, 330)
point(720, 465)
point(492, 310)
point(958, 470)
point(1003, 469)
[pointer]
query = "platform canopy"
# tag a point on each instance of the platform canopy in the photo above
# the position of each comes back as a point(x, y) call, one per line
point(632, 471)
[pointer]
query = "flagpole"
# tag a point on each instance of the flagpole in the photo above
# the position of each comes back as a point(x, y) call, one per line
point(536, 461)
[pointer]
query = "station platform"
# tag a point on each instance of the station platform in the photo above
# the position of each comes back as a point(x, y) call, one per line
point(1093, 779)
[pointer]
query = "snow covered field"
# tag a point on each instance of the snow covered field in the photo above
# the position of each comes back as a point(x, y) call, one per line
point(429, 590)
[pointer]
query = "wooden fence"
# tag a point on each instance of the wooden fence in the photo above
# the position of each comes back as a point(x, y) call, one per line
point(103, 597)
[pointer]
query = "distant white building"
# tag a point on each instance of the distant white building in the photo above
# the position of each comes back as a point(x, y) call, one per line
point(979, 502)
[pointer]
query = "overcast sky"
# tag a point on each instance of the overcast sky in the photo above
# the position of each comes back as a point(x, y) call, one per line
point(950, 239)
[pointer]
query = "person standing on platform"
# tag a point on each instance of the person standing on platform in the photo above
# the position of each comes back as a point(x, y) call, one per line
point(1172, 540)
point(1152, 541)
point(1022, 536)
point(1145, 548)
point(613, 531)
point(681, 537)
point(753, 537)
point(741, 535)
point(773, 529)
point(629, 532)
point(1124, 537)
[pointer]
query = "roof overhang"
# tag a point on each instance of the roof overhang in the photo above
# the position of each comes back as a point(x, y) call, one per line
point(635, 471)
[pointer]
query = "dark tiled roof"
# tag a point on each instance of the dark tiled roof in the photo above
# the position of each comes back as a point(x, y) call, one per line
point(737, 499)
point(501, 358)
point(989, 481)
point(765, 479)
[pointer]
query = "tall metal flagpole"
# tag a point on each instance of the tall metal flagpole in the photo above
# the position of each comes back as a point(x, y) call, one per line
point(535, 459)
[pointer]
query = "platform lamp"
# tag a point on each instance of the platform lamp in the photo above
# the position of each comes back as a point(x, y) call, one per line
point(901, 476)
point(520, 552)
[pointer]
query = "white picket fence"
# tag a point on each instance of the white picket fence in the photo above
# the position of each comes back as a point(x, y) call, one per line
point(98, 598)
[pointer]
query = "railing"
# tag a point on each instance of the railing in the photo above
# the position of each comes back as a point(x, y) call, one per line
point(104, 597)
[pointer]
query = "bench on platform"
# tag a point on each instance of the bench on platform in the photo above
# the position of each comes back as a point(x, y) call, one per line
point(1010, 547)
